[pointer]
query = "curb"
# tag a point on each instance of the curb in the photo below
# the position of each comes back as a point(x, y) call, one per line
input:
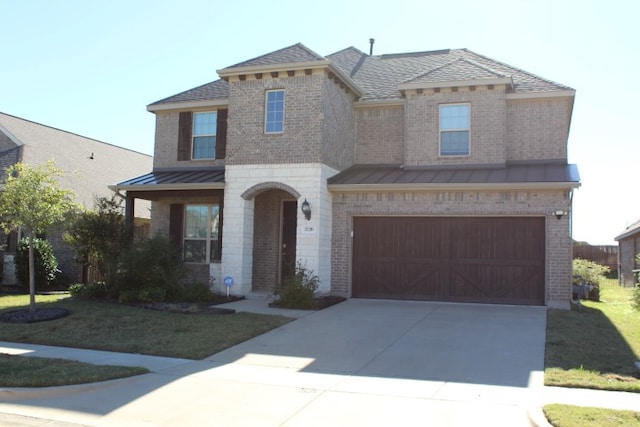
point(537, 418)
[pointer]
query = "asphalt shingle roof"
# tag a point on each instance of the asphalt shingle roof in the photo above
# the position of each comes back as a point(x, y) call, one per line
point(379, 76)
point(89, 166)
point(288, 55)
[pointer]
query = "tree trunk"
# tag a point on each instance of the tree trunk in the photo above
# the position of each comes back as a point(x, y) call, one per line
point(32, 279)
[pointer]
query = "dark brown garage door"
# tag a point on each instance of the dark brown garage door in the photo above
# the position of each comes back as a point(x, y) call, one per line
point(488, 260)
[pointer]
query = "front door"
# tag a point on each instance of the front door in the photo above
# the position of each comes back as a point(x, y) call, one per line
point(288, 239)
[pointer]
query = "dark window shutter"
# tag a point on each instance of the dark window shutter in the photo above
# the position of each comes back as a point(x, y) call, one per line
point(176, 216)
point(221, 135)
point(184, 135)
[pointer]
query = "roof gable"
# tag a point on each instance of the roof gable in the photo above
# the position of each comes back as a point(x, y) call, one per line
point(288, 55)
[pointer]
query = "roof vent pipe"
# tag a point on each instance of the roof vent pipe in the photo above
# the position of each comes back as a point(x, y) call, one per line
point(371, 42)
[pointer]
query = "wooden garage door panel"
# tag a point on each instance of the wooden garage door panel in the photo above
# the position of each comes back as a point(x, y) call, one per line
point(498, 260)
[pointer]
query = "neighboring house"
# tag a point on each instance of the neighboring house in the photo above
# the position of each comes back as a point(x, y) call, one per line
point(88, 166)
point(629, 249)
point(436, 175)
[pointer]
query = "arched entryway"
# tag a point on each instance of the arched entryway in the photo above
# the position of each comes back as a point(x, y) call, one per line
point(274, 234)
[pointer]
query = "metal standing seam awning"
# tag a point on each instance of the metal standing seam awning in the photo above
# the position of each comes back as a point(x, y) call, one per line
point(160, 180)
point(552, 175)
point(167, 183)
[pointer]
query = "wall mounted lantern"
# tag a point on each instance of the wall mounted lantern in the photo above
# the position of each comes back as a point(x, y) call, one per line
point(306, 209)
point(559, 214)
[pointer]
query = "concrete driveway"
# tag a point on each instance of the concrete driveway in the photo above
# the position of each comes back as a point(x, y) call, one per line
point(362, 362)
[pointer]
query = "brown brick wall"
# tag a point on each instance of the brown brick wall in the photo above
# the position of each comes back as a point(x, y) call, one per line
point(380, 135)
point(538, 129)
point(339, 127)
point(629, 248)
point(487, 132)
point(301, 141)
point(166, 147)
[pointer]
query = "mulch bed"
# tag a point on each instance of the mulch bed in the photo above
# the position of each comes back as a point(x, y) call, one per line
point(187, 308)
point(319, 302)
point(40, 315)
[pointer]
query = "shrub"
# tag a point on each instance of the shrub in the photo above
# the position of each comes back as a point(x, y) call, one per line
point(590, 274)
point(149, 270)
point(46, 265)
point(193, 292)
point(297, 291)
point(99, 236)
point(97, 290)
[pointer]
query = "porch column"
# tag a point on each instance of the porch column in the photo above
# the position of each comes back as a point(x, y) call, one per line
point(237, 242)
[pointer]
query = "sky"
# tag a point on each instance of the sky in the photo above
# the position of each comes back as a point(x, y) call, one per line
point(91, 67)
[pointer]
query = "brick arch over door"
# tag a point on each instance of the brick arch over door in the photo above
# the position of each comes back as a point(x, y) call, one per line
point(265, 186)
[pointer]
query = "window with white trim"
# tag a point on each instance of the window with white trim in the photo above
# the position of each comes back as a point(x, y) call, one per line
point(455, 122)
point(204, 135)
point(201, 233)
point(274, 111)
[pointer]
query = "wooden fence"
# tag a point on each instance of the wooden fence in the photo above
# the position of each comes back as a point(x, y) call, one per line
point(600, 254)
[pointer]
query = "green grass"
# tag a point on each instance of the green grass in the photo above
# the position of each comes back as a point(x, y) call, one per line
point(20, 371)
point(116, 327)
point(597, 347)
point(576, 416)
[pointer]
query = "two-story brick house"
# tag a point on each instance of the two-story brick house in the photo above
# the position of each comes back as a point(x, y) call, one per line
point(436, 175)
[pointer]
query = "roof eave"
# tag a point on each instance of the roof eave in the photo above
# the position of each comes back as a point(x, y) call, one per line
point(183, 105)
point(346, 79)
point(455, 186)
point(165, 187)
point(628, 233)
point(508, 81)
point(567, 93)
point(225, 73)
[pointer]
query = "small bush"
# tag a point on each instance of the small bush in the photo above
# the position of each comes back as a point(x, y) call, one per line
point(589, 274)
point(46, 265)
point(149, 270)
point(193, 292)
point(97, 290)
point(297, 291)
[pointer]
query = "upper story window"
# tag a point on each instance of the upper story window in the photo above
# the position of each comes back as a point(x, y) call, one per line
point(274, 111)
point(201, 233)
point(204, 135)
point(455, 120)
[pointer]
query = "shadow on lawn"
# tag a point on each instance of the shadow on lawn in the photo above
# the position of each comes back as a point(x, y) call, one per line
point(588, 340)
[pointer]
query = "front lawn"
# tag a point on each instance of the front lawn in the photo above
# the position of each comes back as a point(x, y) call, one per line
point(20, 371)
point(116, 327)
point(577, 416)
point(596, 347)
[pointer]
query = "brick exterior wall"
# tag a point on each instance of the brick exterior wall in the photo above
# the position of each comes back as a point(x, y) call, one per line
point(538, 129)
point(301, 141)
point(487, 132)
point(380, 135)
point(629, 248)
point(165, 153)
point(338, 127)
point(458, 203)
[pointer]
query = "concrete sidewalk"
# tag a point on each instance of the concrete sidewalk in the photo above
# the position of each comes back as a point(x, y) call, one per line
point(361, 362)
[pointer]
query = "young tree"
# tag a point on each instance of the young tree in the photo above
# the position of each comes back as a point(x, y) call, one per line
point(32, 201)
point(100, 235)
